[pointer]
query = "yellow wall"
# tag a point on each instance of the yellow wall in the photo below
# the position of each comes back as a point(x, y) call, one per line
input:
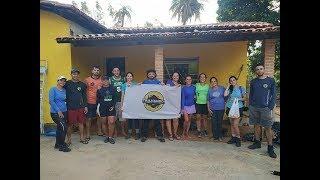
point(215, 59)
point(57, 55)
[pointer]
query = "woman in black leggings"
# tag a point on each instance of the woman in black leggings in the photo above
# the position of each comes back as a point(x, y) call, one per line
point(58, 109)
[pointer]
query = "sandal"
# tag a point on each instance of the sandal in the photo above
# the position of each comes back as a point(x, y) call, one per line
point(88, 138)
point(84, 141)
point(100, 134)
point(170, 138)
point(177, 137)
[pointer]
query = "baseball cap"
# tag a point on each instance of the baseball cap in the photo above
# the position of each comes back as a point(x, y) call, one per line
point(73, 70)
point(62, 77)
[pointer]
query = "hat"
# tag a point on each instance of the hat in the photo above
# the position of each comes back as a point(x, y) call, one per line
point(62, 77)
point(73, 70)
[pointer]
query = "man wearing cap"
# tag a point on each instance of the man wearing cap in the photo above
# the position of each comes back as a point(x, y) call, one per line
point(93, 83)
point(76, 104)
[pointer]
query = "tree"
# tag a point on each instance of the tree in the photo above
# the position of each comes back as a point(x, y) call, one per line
point(75, 4)
point(148, 24)
point(253, 10)
point(120, 15)
point(99, 14)
point(84, 8)
point(185, 10)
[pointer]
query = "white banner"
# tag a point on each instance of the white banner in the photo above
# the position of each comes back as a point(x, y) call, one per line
point(150, 101)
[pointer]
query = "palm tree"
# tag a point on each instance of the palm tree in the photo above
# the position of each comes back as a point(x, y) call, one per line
point(186, 9)
point(121, 14)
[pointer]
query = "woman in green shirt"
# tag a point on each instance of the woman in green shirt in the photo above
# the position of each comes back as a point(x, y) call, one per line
point(201, 105)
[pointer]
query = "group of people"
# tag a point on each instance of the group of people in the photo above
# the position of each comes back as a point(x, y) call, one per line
point(73, 102)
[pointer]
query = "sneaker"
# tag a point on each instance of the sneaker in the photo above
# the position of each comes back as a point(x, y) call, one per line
point(111, 140)
point(199, 134)
point(255, 145)
point(238, 142)
point(143, 139)
point(137, 136)
point(271, 151)
point(220, 139)
point(232, 140)
point(64, 149)
point(106, 140)
point(205, 133)
point(215, 139)
point(56, 146)
point(128, 136)
point(161, 139)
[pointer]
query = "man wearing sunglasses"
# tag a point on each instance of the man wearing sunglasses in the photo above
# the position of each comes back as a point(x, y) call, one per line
point(261, 103)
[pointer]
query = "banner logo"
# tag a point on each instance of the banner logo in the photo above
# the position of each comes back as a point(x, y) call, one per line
point(153, 101)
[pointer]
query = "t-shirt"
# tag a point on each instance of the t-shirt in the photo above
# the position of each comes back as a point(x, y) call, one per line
point(236, 93)
point(216, 98)
point(92, 86)
point(262, 92)
point(76, 94)
point(57, 100)
point(202, 93)
point(188, 95)
point(170, 83)
point(106, 96)
point(151, 81)
point(117, 83)
point(125, 85)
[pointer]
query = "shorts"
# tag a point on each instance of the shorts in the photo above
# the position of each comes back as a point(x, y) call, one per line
point(92, 111)
point(190, 109)
point(119, 112)
point(240, 111)
point(202, 109)
point(76, 116)
point(261, 116)
point(107, 111)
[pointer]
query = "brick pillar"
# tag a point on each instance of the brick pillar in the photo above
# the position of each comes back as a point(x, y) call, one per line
point(269, 56)
point(158, 62)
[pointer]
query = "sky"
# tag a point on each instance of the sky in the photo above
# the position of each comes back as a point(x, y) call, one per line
point(151, 11)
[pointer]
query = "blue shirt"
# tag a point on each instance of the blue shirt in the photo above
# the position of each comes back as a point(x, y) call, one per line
point(170, 82)
point(57, 100)
point(188, 96)
point(151, 81)
point(216, 98)
point(236, 93)
point(125, 85)
point(262, 93)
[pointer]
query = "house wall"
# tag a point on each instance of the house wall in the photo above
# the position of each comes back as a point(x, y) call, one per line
point(221, 59)
point(58, 56)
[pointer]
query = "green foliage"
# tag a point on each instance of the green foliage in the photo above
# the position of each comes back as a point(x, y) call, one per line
point(84, 8)
point(185, 10)
point(120, 15)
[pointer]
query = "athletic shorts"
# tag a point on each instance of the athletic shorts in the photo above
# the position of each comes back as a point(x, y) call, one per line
point(190, 109)
point(92, 111)
point(202, 109)
point(76, 116)
point(261, 116)
point(107, 111)
point(240, 111)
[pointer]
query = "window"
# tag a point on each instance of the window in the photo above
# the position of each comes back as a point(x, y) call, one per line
point(184, 66)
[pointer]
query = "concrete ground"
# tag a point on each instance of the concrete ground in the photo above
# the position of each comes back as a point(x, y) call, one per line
point(131, 159)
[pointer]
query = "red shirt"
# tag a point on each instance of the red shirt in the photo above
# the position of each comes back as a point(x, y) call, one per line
point(92, 87)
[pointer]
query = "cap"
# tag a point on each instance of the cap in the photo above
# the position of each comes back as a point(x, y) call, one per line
point(73, 70)
point(62, 77)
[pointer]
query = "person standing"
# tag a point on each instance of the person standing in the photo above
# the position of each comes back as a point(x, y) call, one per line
point(76, 105)
point(175, 122)
point(216, 106)
point(262, 97)
point(58, 112)
point(201, 105)
point(106, 98)
point(188, 93)
point(93, 83)
point(151, 79)
point(116, 81)
point(232, 92)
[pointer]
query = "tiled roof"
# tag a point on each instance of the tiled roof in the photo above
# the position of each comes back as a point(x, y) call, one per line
point(73, 14)
point(220, 30)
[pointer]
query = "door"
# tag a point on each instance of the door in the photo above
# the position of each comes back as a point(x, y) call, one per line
point(115, 62)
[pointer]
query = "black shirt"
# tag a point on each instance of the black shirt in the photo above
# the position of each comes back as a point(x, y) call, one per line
point(106, 96)
point(76, 94)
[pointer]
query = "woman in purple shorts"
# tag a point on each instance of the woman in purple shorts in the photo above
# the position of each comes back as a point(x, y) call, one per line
point(187, 105)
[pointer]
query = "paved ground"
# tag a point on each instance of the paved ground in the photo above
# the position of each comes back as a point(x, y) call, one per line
point(130, 159)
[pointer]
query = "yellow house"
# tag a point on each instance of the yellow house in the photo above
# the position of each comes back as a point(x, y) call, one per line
point(218, 50)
